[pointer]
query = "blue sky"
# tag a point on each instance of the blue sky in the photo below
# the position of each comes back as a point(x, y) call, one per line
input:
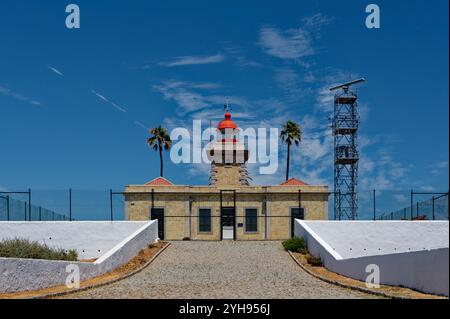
point(76, 104)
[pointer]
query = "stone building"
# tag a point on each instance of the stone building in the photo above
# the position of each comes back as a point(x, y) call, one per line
point(229, 207)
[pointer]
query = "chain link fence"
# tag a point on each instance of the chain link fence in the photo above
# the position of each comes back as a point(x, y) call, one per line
point(13, 209)
point(70, 204)
point(434, 208)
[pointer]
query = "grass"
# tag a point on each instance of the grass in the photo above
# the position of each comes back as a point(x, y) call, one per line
point(136, 264)
point(24, 248)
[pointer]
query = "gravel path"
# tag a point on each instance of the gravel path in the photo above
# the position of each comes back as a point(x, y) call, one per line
point(225, 269)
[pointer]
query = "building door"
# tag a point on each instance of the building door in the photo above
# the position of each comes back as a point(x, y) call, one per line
point(296, 213)
point(228, 222)
point(158, 213)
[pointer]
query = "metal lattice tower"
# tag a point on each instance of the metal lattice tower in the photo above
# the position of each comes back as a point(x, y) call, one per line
point(346, 156)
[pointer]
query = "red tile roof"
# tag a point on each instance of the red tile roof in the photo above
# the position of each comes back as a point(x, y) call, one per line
point(293, 182)
point(159, 181)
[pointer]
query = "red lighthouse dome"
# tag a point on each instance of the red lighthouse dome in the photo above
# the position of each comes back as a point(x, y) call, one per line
point(227, 123)
point(228, 130)
point(227, 150)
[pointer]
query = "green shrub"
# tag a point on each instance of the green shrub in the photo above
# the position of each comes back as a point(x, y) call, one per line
point(24, 248)
point(314, 261)
point(295, 244)
point(71, 255)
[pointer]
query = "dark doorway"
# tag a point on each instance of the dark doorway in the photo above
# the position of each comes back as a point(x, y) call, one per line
point(158, 213)
point(296, 213)
point(228, 223)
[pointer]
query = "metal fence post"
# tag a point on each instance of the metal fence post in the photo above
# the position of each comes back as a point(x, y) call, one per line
point(412, 205)
point(7, 208)
point(40, 213)
point(29, 204)
point(374, 206)
point(432, 207)
point(25, 216)
point(334, 199)
point(339, 203)
point(111, 203)
point(417, 209)
point(70, 204)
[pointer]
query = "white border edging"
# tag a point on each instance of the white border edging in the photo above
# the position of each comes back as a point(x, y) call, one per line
point(120, 245)
point(422, 270)
point(18, 274)
point(319, 239)
point(106, 283)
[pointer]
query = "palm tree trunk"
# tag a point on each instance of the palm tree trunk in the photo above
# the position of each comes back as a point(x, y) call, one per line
point(287, 165)
point(160, 162)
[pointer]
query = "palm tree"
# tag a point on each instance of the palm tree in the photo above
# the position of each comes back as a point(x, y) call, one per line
point(290, 134)
point(158, 141)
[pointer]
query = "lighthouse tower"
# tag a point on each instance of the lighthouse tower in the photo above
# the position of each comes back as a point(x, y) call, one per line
point(228, 156)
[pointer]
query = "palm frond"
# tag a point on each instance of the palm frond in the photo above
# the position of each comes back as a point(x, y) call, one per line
point(159, 138)
point(291, 133)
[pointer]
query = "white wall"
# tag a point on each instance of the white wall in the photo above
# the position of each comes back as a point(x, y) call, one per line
point(366, 238)
point(31, 274)
point(410, 254)
point(90, 238)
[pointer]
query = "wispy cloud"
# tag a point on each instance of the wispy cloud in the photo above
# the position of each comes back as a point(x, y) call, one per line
point(138, 123)
point(55, 70)
point(378, 167)
point(312, 161)
point(296, 47)
point(316, 22)
point(438, 167)
point(286, 44)
point(294, 43)
point(291, 83)
point(240, 56)
point(187, 101)
point(105, 99)
point(8, 92)
point(194, 97)
point(194, 60)
point(174, 84)
point(205, 102)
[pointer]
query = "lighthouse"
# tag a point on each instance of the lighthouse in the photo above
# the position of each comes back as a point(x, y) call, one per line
point(228, 155)
point(229, 208)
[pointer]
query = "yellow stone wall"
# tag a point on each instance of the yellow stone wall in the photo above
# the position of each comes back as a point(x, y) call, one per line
point(181, 202)
point(315, 206)
point(227, 175)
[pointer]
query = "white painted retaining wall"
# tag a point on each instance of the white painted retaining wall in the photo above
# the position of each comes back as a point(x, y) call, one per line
point(31, 274)
point(90, 238)
point(410, 254)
